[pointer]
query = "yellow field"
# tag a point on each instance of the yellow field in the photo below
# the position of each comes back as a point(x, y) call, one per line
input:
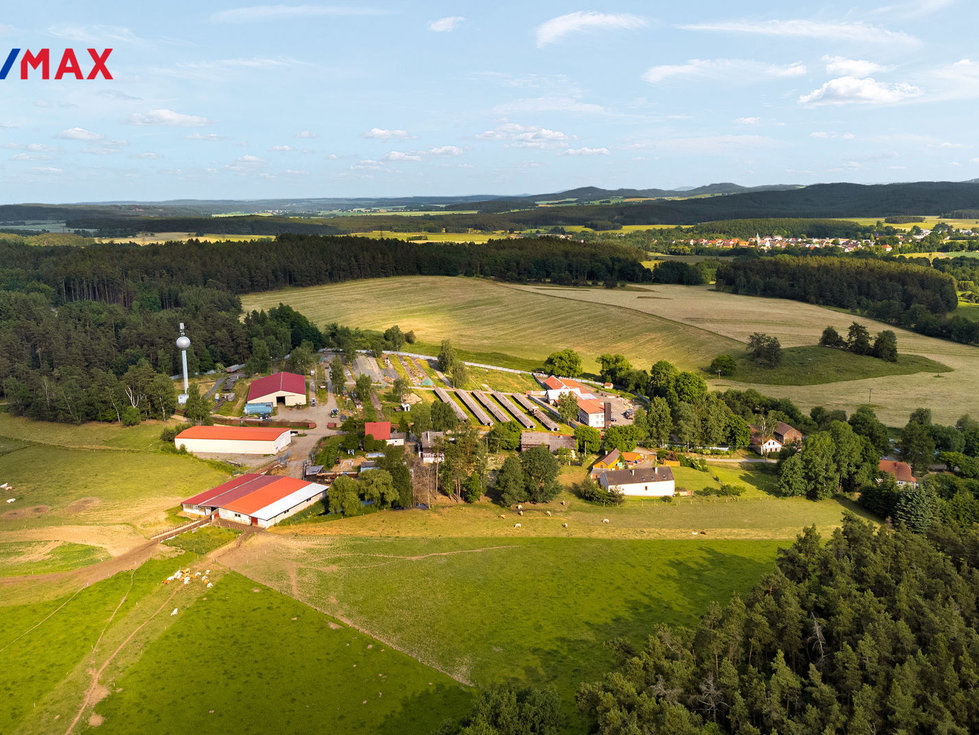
point(154, 238)
point(927, 222)
point(949, 395)
point(487, 317)
point(477, 237)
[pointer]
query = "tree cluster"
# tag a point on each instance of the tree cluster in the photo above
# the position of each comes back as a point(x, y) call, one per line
point(857, 341)
point(529, 477)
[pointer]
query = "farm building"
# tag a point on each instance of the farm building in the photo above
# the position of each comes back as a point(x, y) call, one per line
point(591, 413)
point(641, 482)
point(554, 442)
point(233, 440)
point(900, 470)
point(764, 444)
point(557, 387)
point(427, 447)
point(380, 430)
point(786, 434)
point(609, 462)
point(286, 389)
point(256, 500)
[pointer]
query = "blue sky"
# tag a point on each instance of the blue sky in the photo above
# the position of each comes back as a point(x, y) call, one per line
point(230, 100)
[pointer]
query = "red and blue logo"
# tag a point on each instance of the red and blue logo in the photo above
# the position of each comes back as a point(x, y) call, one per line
point(69, 66)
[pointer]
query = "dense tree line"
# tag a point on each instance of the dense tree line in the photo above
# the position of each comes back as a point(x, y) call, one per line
point(893, 291)
point(871, 631)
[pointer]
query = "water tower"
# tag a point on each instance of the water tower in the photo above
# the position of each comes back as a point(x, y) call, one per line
point(183, 343)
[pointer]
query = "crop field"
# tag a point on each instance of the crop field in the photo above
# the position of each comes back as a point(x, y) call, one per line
point(476, 237)
point(926, 222)
point(541, 609)
point(948, 394)
point(499, 325)
point(155, 238)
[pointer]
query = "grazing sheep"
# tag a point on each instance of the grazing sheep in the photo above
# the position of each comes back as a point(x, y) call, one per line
point(519, 507)
point(605, 520)
point(517, 525)
point(519, 512)
point(565, 525)
point(547, 512)
point(502, 516)
point(562, 502)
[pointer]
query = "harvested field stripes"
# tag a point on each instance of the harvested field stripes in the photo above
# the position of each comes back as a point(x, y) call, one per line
point(444, 396)
point(517, 413)
point(491, 406)
point(479, 413)
point(537, 411)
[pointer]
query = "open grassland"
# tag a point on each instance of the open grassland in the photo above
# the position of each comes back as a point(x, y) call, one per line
point(497, 324)
point(155, 238)
point(499, 380)
point(20, 558)
point(204, 539)
point(475, 237)
point(925, 222)
point(486, 610)
point(112, 657)
point(948, 394)
point(111, 480)
point(969, 311)
point(245, 658)
point(814, 365)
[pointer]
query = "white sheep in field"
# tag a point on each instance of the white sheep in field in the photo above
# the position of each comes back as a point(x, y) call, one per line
point(605, 520)
point(547, 512)
point(519, 507)
point(517, 525)
point(565, 525)
point(519, 512)
point(502, 516)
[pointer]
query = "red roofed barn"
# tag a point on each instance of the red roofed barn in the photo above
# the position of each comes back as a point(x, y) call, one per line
point(256, 500)
point(233, 440)
point(288, 389)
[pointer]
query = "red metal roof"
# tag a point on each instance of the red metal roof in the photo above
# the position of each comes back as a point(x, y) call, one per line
point(265, 495)
point(553, 383)
point(233, 433)
point(288, 382)
point(380, 430)
point(591, 406)
point(230, 490)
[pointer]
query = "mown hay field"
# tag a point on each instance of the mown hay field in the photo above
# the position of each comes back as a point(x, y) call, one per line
point(490, 322)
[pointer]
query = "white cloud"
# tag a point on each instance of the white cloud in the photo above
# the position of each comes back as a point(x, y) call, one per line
point(547, 104)
point(916, 9)
point(6, 30)
point(219, 68)
point(586, 152)
point(708, 144)
point(247, 164)
point(742, 70)
point(209, 137)
point(856, 31)
point(446, 150)
point(147, 156)
point(263, 13)
point(95, 33)
point(295, 172)
point(32, 147)
point(367, 164)
point(850, 90)
point(282, 148)
point(851, 67)
point(306, 134)
point(401, 156)
point(105, 147)
point(382, 134)
point(525, 136)
point(557, 28)
point(444, 25)
point(47, 170)
point(824, 135)
point(31, 157)
point(79, 134)
point(747, 120)
point(169, 118)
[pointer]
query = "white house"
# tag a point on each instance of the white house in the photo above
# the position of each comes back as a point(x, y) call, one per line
point(554, 388)
point(649, 482)
point(591, 413)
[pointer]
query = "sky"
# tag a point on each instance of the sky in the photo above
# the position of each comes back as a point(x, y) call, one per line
point(227, 100)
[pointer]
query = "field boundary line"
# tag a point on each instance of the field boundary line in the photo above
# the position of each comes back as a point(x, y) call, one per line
point(50, 614)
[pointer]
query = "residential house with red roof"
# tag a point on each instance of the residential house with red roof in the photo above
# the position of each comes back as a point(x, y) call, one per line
point(900, 471)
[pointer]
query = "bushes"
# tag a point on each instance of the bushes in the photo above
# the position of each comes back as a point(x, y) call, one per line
point(724, 491)
point(592, 492)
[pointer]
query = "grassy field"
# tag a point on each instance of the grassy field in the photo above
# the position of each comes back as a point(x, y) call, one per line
point(949, 395)
point(209, 668)
point(154, 238)
point(95, 475)
point(814, 365)
point(540, 612)
point(203, 540)
point(926, 222)
point(476, 237)
point(481, 378)
point(497, 324)
point(19, 558)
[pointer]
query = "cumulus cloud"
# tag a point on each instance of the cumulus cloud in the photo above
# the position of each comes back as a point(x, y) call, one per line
point(842, 66)
point(586, 152)
point(525, 136)
point(856, 31)
point(168, 118)
point(79, 134)
point(850, 90)
point(382, 134)
point(446, 150)
point(824, 135)
point(282, 148)
point(209, 137)
point(306, 134)
point(264, 13)
point(247, 164)
point(557, 28)
point(444, 25)
point(401, 156)
point(727, 69)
